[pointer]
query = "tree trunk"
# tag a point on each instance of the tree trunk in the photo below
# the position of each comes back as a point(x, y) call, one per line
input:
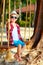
point(38, 25)
point(36, 16)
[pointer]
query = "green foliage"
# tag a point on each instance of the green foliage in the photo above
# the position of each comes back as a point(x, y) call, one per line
point(24, 2)
point(12, 4)
point(21, 23)
point(33, 1)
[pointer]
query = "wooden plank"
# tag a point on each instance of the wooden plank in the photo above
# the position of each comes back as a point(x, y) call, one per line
point(6, 47)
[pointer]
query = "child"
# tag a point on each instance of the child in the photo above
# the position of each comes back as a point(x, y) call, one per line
point(15, 37)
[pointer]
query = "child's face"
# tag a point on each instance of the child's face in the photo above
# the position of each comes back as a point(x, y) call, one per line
point(13, 18)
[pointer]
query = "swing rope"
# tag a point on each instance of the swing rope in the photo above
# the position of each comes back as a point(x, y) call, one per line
point(26, 22)
point(2, 22)
point(9, 24)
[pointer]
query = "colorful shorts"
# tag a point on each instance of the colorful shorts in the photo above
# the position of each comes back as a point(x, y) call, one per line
point(19, 42)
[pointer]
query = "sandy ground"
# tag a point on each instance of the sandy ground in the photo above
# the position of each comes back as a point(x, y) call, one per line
point(33, 57)
point(30, 57)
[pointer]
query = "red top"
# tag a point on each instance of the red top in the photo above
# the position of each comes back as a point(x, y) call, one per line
point(10, 32)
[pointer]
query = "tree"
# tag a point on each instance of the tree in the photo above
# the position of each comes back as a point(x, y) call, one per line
point(38, 25)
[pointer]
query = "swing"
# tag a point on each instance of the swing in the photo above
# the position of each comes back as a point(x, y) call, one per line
point(8, 45)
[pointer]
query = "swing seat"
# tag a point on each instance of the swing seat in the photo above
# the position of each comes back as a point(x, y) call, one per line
point(5, 46)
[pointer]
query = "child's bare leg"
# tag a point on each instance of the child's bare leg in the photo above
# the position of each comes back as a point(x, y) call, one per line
point(18, 54)
point(24, 47)
point(19, 50)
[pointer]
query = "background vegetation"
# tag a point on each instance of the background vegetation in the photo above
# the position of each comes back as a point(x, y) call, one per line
point(16, 3)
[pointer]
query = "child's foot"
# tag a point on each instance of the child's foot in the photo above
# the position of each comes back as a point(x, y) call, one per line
point(18, 57)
